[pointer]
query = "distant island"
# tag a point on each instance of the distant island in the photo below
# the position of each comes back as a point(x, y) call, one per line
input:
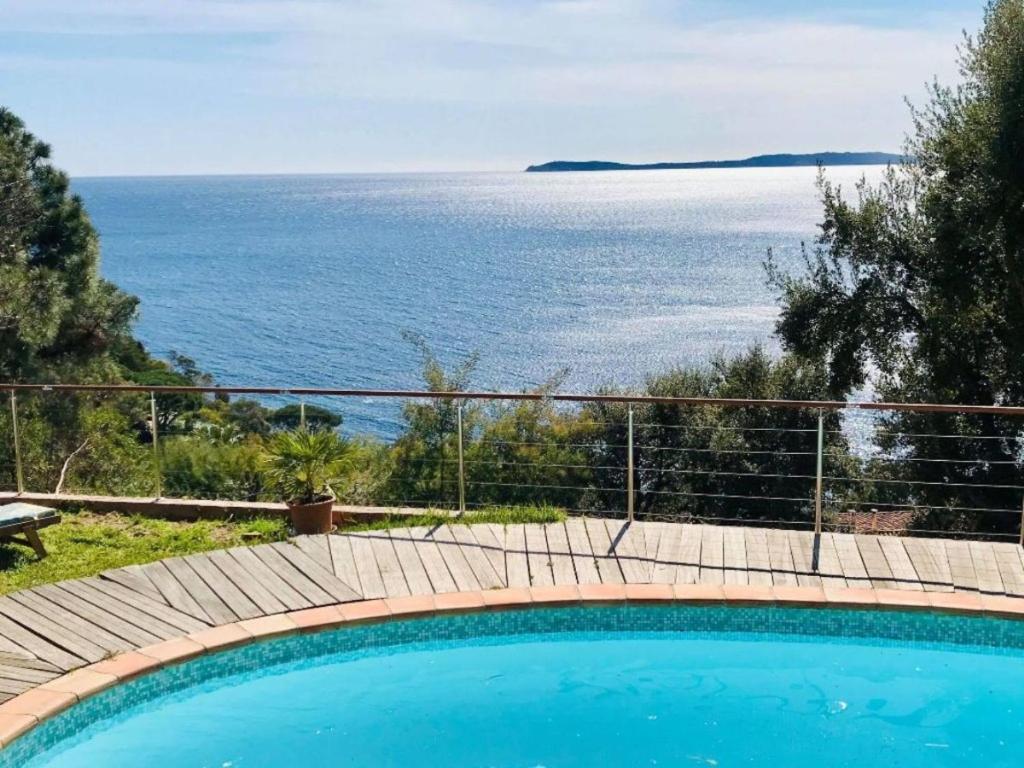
point(758, 161)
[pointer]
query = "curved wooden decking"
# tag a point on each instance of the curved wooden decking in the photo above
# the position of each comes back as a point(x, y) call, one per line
point(50, 630)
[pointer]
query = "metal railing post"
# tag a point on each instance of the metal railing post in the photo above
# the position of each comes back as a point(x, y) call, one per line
point(18, 473)
point(819, 476)
point(156, 449)
point(1022, 523)
point(629, 467)
point(302, 414)
point(462, 464)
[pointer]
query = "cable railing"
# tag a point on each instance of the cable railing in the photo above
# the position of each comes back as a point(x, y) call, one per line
point(823, 465)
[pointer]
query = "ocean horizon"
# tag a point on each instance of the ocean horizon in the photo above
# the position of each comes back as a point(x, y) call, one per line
point(311, 280)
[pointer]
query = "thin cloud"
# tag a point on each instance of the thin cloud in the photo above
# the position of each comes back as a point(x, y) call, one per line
point(724, 76)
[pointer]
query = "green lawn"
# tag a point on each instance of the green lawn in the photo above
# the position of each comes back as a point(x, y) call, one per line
point(85, 543)
point(498, 515)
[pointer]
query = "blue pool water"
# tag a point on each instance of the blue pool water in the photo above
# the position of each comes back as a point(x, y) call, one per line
point(575, 687)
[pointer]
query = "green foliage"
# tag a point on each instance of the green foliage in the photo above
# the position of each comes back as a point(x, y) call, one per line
point(194, 467)
point(58, 317)
point(917, 286)
point(424, 453)
point(303, 466)
point(718, 462)
point(529, 452)
point(495, 515)
point(289, 417)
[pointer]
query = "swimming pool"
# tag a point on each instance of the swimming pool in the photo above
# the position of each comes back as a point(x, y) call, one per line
point(676, 685)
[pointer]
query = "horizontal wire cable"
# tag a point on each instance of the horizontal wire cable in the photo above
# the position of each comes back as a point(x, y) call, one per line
point(644, 470)
point(897, 459)
point(939, 436)
point(717, 428)
point(551, 444)
point(891, 481)
point(655, 449)
point(581, 489)
point(724, 496)
point(933, 507)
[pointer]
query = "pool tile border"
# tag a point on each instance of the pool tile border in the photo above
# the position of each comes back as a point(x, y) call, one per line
point(28, 709)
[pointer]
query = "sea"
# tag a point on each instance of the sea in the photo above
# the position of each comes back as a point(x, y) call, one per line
point(593, 278)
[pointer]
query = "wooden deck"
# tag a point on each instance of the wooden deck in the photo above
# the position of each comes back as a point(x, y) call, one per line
point(52, 629)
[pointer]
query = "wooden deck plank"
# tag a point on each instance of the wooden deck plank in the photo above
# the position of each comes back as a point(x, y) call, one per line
point(781, 557)
point(1011, 570)
point(690, 545)
point(712, 555)
point(371, 583)
point(225, 589)
point(899, 563)
point(290, 597)
point(562, 569)
point(134, 577)
point(56, 633)
point(850, 561)
point(932, 572)
point(875, 563)
point(516, 558)
point(734, 555)
point(537, 557)
point(15, 656)
point(343, 562)
point(582, 553)
point(199, 592)
point(986, 568)
point(94, 633)
point(117, 607)
point(291, 575)
point(455, 559)
point(801, 546)
point(337, 591)
point(491, 538)
point(485, 573)
point(25, 674)
point(112, 622)
point(10, 688)
point(829, 568)
point(317, 548)
point(163, 613)
point(652, 540)
point(630, 548)
point(387, 561)
point(173, 593)
point(759, 564)
point(412, 567)
point(430, 555)
point(37, 646)
point(607, 564)
point(961, 566)
point(666, 557)
point(253, 588)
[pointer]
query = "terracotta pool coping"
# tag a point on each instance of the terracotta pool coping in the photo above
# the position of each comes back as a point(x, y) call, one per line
point(28, 709)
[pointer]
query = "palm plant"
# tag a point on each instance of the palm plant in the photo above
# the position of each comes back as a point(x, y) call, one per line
point(303, 466)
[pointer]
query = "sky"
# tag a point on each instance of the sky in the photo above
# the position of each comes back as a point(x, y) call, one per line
point(135, 87)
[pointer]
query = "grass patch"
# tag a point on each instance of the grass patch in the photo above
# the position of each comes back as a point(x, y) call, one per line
point(86, 543)
point(431, 518)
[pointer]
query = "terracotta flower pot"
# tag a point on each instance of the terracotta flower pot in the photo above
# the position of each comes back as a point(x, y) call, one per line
point(312, 518)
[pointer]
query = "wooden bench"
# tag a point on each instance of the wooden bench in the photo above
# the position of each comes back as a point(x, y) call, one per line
point(26, 520)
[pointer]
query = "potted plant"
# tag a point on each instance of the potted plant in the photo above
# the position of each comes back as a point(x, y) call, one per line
point(303, 466)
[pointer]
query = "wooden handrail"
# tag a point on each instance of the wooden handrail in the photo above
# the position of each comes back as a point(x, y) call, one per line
point(833, 405)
